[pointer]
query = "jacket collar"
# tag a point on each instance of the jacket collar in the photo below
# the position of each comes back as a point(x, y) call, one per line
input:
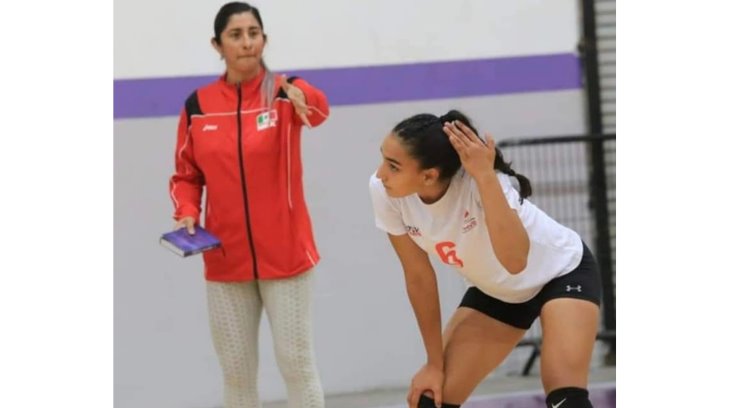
point(250, 88)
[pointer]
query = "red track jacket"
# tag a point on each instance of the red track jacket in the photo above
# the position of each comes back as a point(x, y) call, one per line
point(249, 160)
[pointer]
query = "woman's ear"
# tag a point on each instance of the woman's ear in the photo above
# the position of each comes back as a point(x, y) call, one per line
point(431, 176)
point(216, 46)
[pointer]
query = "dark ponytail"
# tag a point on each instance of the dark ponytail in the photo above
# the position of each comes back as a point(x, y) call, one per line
point(525, 186)
point(427, 142)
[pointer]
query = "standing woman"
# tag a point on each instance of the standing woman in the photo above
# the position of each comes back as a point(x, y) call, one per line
point(440, 189)
point(239, 139)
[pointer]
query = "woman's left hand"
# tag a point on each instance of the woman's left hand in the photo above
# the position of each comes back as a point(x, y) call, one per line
point(477, 156)
point(298, 99)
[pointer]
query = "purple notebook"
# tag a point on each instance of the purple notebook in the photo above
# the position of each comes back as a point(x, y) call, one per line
point(184, 244)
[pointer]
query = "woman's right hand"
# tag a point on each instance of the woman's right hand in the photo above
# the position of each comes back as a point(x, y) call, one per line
point(186, 222)
point(428, 378)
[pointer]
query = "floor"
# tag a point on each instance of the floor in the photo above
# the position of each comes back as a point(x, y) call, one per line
point(502, 392)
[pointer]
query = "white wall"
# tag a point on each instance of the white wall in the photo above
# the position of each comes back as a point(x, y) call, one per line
point(164, 38)
point(365, 333)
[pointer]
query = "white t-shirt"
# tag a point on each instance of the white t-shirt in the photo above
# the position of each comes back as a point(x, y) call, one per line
point(453, 229)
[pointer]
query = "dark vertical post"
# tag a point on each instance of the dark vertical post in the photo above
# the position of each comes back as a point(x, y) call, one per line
point(598, 193)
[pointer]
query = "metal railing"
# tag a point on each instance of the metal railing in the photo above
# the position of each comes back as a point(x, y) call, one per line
point(573, 180)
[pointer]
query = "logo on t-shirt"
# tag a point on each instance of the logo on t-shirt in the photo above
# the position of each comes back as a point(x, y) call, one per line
point(413, 231)
point(469, 222)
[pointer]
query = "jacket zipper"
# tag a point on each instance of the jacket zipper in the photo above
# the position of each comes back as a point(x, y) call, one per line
point(243, 183)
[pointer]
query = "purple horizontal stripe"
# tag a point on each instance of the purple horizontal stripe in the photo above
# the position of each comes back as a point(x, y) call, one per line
point(138, 98)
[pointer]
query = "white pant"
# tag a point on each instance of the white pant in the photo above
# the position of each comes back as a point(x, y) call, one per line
point(235, 315)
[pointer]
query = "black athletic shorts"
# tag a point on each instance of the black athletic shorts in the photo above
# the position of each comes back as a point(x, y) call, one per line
point(583, 282)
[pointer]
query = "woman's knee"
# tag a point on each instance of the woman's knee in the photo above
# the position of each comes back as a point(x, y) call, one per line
point(560, 375)
point(238, 367)
point(296, 362)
